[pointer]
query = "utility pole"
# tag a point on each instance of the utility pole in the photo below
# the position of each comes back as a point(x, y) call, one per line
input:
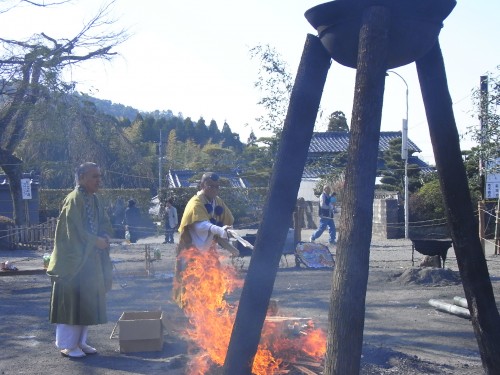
point(483, 113)
point(483, 103)
point(404, 156)
point(160, 152)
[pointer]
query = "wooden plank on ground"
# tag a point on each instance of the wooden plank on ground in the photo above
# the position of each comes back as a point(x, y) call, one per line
point(304, 370)
point(37, 271)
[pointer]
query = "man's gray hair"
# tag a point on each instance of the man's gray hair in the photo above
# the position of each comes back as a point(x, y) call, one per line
point(82, 169)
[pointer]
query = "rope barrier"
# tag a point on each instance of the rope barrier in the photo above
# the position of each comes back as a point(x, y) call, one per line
point(148, 230)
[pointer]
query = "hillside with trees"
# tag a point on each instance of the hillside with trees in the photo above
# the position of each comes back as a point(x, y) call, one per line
point(64, 130)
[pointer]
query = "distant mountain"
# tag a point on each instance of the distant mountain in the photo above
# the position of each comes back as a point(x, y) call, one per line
point(112, 109)
point(121, 111)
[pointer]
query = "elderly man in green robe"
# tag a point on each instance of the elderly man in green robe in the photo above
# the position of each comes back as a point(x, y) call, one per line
point(80, 266)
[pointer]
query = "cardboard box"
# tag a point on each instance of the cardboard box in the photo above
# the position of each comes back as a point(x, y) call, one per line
point(141, 331)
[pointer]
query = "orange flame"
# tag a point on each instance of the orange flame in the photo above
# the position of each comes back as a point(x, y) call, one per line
point(205, 283)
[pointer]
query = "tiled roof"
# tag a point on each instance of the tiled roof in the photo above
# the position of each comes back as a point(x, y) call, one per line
point(312, 172)
point(333, 142)
point(424, 167)
point(35, 179)
point(327, 142)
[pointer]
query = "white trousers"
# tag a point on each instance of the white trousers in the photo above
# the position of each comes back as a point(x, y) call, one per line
point(70, 336)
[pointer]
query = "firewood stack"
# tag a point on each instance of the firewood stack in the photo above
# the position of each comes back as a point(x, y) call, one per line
point(294, 326)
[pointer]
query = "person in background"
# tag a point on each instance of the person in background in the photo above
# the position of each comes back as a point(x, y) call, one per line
point(205, 218)
point(171, 221)
point(80, 268)
point(327, 207)
point(132, 220)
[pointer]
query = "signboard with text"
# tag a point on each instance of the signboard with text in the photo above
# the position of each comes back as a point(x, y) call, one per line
point(26, 188)
point(492, 183)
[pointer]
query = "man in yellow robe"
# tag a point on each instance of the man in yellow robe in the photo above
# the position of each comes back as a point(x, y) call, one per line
point(205, 217)
point(80, 268)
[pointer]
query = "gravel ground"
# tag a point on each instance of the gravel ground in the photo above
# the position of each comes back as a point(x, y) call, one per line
point(403, 333)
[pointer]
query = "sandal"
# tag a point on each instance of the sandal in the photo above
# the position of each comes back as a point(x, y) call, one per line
point(73, 353)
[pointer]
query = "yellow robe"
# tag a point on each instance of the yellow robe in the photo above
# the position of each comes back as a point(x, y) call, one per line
point(195, 211)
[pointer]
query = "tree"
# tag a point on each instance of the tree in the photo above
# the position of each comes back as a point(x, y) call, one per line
point(31, 70)
point(252, 139)
point(63, 131)
point(172, 150)
point(432, 206)
point(256, 164)
point(213, 131)
point(7, 5)
point(337, 122)
point(136, 131)
point(182, 154)
point(471, 162)
point(393, 171)
point(201, 132)
point(331, 169)
point(220, 158)
point(275, 83)
point(230, 139)
point(188, 129)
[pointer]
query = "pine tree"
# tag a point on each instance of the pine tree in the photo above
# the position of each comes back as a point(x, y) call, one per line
point(337, 122)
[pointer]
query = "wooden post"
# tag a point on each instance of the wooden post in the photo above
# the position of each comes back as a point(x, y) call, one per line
point(279, 206)
point(147, 258)
point(497, 228)
point(459, 209)
point(298, 220)
point(350, 277)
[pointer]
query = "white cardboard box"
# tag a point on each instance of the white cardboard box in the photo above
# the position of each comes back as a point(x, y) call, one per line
point(141, 331)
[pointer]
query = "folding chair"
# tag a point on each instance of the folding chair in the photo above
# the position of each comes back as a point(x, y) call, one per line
point(313, 255)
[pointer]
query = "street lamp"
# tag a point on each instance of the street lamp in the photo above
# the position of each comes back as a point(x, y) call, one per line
point(404, 153)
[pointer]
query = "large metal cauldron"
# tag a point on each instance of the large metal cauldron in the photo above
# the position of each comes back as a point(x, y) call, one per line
point(415, 27)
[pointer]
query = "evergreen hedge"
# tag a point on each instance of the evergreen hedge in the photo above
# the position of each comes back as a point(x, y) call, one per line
point(245, 204)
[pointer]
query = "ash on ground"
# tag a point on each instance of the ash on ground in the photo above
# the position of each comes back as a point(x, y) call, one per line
point(379, 360)
point(427, 276)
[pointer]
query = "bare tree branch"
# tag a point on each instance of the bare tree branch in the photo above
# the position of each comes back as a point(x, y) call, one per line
point(32, 69)
point(7, 5)
point(96, 39)
point(44, 4)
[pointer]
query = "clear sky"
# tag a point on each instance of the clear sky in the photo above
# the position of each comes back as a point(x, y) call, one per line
point(191, 56)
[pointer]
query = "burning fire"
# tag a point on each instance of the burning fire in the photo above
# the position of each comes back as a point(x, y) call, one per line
point(206, 282)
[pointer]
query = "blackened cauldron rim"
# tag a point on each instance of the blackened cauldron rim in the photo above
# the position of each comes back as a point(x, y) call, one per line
point(326, 14)
point(340, 21)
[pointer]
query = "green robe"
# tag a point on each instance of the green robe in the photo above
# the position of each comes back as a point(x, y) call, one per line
point(77, 268)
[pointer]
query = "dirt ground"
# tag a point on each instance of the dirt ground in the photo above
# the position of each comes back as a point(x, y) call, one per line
point(403, 333)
